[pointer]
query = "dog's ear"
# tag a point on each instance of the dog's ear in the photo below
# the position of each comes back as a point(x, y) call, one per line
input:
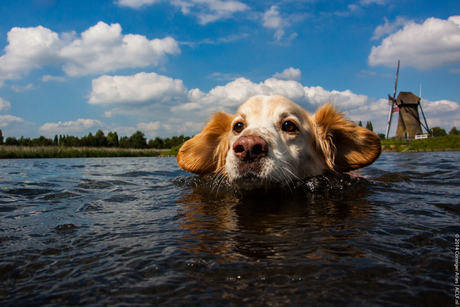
point(206, 152)
point(345, 145)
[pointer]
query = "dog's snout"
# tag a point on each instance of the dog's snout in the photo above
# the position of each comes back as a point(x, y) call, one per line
point(250, 148)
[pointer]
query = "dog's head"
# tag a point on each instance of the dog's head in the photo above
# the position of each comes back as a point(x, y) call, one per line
point(273, 141)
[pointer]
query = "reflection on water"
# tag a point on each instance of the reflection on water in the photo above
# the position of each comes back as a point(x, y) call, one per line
point(139, 231)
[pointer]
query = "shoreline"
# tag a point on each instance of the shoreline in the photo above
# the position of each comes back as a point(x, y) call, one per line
point(386, 150)
point(49, 152)
point(56, 152)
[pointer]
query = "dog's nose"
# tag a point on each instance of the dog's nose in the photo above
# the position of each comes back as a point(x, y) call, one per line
point(250, 148)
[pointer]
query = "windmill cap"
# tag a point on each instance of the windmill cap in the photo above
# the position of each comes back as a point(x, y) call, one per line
point(405, 98)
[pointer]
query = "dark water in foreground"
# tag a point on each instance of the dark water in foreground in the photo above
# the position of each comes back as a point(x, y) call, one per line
point(138, 231)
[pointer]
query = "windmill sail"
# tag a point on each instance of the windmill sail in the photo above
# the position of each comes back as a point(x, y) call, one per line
point(392, 101)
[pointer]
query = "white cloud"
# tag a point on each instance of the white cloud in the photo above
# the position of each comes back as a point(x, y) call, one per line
point(369, 2)
point(101, 48)
point(440, 106)
point(149, 127)
point(389, 27)
point(212, 10)
point(4, 105)
point(434, 43)
point(205, 10)
point(272, 19)
point(234, 93)
point(28, 48)
point(23, 88)
point(47, 78)
point(14, 126)
point(289, 73)
point(72, 127)
point(6, 120)
point(176, 110)
point(135, 4)
point(147, 88)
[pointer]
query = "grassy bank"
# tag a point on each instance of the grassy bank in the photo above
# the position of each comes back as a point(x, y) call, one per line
point(23, 152)
point(449, 142)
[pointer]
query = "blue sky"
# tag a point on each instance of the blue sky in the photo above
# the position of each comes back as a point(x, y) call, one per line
point(163, 66)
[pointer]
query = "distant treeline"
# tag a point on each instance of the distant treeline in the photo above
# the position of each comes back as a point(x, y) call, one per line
point(136, 140)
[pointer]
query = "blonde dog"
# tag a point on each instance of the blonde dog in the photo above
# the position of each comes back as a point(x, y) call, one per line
point(272, 142)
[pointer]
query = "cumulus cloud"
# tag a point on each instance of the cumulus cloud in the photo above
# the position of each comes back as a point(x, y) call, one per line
point(28, 48)
point(79, 126)
point(440, 106)
point(4, 105)
point(434, 43)
point(101, 48)
point(174, 109)
point(231, 95)
point(289, 73)
point(137, 89)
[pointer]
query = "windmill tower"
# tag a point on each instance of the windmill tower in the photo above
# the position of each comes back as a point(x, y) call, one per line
point(409, 124)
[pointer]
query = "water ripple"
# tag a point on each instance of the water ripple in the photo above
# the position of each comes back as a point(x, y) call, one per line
point(139, 231)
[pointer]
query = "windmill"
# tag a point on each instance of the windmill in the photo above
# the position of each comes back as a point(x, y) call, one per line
point(406, 104)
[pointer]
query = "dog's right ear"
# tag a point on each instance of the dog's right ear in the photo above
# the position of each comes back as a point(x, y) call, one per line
point(345, 145)
point(206, 152)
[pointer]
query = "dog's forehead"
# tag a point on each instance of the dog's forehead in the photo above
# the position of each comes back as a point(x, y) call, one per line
point(264, 107)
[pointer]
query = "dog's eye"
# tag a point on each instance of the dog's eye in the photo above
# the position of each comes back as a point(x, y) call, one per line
point(289, 126)
point(238, 127)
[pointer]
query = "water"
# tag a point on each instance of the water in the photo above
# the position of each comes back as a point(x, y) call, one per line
point(139, 231)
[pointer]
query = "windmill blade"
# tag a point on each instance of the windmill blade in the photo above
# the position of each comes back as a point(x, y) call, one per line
point(391, 101)
point(396, 81)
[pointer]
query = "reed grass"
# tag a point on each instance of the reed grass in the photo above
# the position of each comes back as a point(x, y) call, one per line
point(24, 152)
point(449, 142)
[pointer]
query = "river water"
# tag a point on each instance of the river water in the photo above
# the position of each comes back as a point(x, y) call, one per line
point(139, 231)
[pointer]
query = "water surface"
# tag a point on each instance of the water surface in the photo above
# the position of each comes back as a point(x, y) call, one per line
point(139, 231)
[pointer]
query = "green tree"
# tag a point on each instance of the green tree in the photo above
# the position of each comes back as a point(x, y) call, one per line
point(454, 131)
point(41, 141)
point(138, 140)
point(437, 131)
point(157, 143)
point(124, 142)
point(11, 140)
point(56, 140)
point(381, 136)
point(24, 142)
point(73, 141)
point(100, 140)
point(369, 126)
point(1, 137)
point(112, 139)
point(167, 143)
point(360, 124)
point(88, 141)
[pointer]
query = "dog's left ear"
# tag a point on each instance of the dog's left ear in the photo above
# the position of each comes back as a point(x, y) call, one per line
point(206, 152)
point(345, 145)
